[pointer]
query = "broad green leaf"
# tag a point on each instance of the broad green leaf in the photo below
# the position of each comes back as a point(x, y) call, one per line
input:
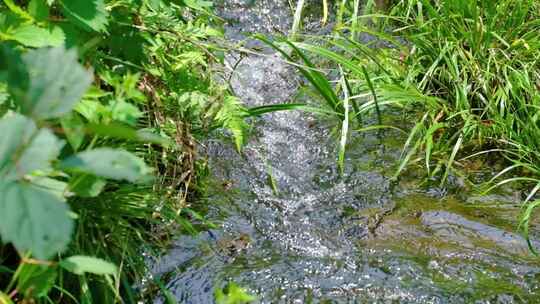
point(34, 220)
point(92, 110)
point(25, 149)
point(125, 112)
point(124, 132)
point(88, 14)
point(87, 185)
point(80, 265)
point(38, 9)
point(53, 186)
point(109, 163)
point(44, 88)
point(35, 281)
point(73, 127)
point(35, 36)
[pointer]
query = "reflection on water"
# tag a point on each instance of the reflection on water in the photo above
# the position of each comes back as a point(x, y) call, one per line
point(325, 237)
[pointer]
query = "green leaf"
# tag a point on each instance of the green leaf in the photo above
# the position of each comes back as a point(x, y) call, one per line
point(73, 127)
point(35, 36)
point(34, 220)
point(42, 87)
point(231, 116)
point(125, 112)
point(35, 281)
point(80, 265)
point(25, 149)
point(87, 185)
point(109, 163)
point(198, 4)
point(233, 294)
point(88, 14)
point(124, 132)
point(92, 110)
point(53, 186)
point(38, 9)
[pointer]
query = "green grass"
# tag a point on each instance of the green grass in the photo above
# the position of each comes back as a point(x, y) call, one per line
point(470, 69)
point(149, 90)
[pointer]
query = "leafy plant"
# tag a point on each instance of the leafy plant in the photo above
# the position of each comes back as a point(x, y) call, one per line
point(468, 69)
point(91, 94)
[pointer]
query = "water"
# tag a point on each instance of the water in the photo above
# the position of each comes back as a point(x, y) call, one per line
point(318, 237)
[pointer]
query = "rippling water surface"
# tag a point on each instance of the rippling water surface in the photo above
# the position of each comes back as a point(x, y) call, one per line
point(317, 237)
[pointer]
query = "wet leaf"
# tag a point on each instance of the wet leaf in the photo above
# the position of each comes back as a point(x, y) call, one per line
point(233, 294)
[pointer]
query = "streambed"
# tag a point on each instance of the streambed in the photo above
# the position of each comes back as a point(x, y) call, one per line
point(292, 230)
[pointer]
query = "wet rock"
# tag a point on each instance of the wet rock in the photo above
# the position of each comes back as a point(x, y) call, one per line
point(456, 228)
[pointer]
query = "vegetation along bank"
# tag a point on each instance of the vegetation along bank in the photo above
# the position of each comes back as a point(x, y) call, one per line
point(105, 106)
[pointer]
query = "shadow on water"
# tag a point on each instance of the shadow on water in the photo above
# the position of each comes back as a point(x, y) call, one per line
point(291, 230)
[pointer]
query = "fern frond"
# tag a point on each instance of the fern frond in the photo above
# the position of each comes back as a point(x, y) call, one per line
point(232, 117)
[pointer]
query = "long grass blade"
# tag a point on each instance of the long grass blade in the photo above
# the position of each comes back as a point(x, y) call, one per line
point(373, 93)
point(297, 19)
point(345, 124)
point(525, 223)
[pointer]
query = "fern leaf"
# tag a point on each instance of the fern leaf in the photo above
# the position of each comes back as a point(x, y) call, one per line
point(231, 117)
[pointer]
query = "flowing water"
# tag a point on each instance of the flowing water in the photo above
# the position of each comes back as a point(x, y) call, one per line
point(292, 230)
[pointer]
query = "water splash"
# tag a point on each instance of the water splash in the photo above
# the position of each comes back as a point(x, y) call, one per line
point(323, 236)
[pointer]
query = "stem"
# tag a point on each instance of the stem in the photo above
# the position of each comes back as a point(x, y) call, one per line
point(297, 19)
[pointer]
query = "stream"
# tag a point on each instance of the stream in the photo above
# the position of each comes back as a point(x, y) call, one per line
point(291, 229)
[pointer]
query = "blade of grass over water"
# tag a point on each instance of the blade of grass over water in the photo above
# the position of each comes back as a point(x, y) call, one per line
point(297, 19)
point(345, 123)
point(373, 93)
point(524, 224)
point(318, 81)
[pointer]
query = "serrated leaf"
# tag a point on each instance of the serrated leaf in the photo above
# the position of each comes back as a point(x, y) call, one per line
point(125, 112)
point(231, 116)
point(80, 265)
point(25, 149)
point(109, 163)
point(35, 281)
point(34, 36)
point(34, 220)
point(88, 14)
point(42, 87)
